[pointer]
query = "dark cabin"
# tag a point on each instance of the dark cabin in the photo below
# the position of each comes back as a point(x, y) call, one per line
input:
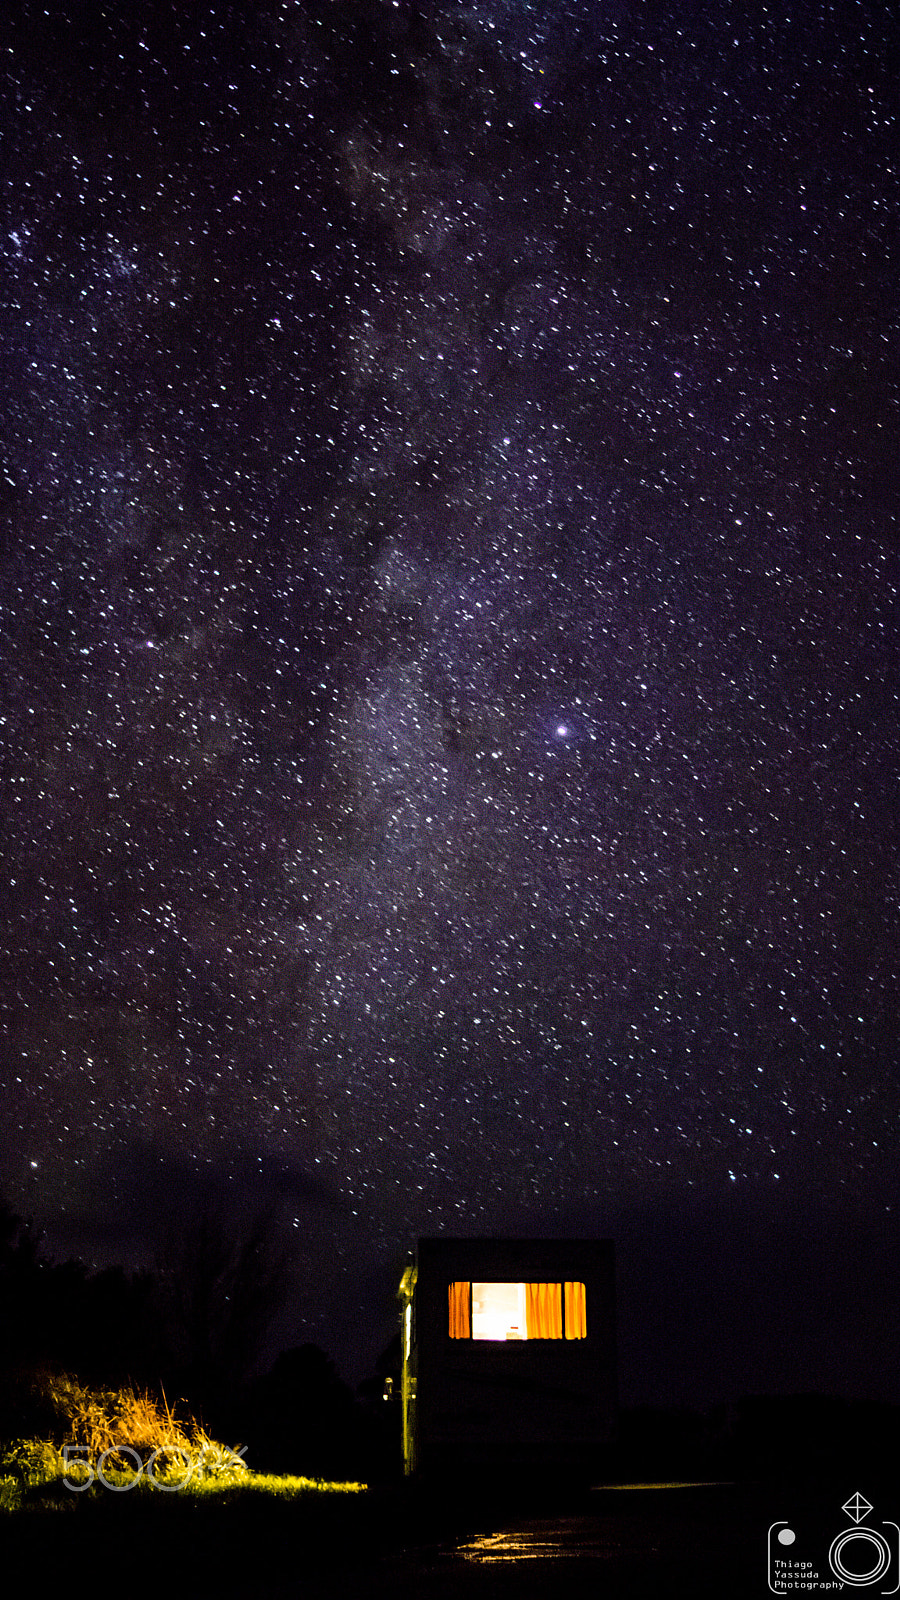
point(508, 1355)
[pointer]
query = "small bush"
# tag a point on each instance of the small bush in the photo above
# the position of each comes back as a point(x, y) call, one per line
point(26, 1464)
point(28, 1460)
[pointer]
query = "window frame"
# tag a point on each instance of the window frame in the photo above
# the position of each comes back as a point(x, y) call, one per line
point(564, 1337)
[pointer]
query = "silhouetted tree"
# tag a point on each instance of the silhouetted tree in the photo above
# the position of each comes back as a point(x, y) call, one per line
point(302, 1418)
point(221, 1286)
point(21, 1267)
point(102, 1326)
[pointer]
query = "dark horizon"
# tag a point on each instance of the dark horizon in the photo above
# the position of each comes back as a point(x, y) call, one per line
point(714, 1302)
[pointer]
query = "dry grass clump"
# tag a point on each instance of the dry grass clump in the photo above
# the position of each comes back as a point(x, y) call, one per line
point(102, 1419)
point(124, 1429)
point(137, 1441)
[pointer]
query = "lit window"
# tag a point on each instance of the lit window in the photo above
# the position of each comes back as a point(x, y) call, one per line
point(513, 1311)
point(498, 1311)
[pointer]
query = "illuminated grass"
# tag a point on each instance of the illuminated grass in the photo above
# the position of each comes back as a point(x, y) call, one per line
point(285, 1488)
point(692, 1483)
point(144, 1450)
point(33, 1473)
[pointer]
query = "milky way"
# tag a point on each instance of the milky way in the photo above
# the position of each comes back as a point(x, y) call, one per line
point(450, 603)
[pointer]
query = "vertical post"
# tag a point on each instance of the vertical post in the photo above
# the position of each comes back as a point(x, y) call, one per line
point(407, 1379)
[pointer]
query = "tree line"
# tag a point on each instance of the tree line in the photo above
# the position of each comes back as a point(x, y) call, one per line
point(195, 1327)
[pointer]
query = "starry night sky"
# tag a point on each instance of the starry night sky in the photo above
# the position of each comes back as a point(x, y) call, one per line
point(449, 641)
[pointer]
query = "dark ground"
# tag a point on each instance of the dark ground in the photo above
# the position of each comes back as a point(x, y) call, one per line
point(708, 1540)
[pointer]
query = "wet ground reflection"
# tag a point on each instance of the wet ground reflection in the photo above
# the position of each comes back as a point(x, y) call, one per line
point(554, 1540)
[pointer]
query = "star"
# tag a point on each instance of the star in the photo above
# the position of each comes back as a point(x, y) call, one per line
point(449, 589)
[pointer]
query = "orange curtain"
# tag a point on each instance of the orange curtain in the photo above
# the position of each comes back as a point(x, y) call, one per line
point(576, 1321)
point(460, 1320)
point(543, 1310)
